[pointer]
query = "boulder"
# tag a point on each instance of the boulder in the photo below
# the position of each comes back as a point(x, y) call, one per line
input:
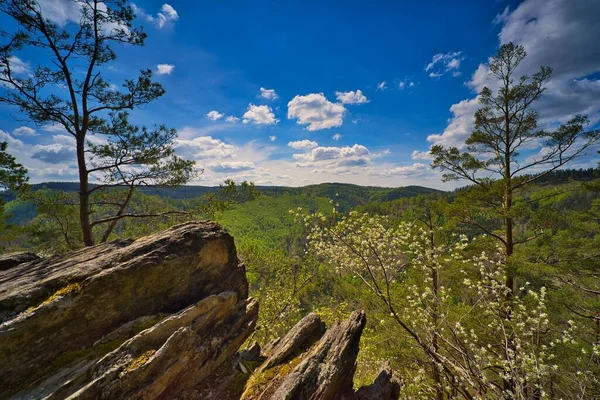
point(60, 316)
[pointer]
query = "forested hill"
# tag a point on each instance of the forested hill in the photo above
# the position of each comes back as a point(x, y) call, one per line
point(349, 194)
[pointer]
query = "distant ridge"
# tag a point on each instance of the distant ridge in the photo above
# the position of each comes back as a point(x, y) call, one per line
point(354, 194)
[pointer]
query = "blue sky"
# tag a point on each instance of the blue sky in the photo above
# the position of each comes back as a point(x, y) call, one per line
point(293, 93)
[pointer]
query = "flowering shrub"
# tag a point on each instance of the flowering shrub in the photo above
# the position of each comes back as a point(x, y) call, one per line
point(479, 340)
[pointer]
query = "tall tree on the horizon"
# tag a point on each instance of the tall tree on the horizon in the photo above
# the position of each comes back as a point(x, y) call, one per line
point(505, 126)
point(86, 106)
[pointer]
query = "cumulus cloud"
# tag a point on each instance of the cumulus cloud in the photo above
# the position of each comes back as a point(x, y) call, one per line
point(421, 155)
point(61, 151)
point(164, 17)
point(334, 157)
point(303, 144)
point(416, 169)
point(460, 125)
point(214, 115)
point(338, 136)
point(316, 111)
point(232, 119)
point(204, 148)
point(268, 94)
point(542, 27)
point(230, 166)
point(381, 85)
point(60, 11)
point(443, 63)
point(164, 69)
point(272, 138)
point(259, 115)
point(351, 97)
point(17, 66)
point(24, 131)
point(13, 143)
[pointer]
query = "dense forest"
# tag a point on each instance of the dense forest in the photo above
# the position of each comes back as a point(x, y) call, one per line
point(488, 291)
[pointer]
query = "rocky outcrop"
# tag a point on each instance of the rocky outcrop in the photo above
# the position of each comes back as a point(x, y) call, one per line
point(306, 332)
point(328, 370)
point(160, 313)
point(307, 364)
point(8, 261)
point(163, 317)
point(384, 387)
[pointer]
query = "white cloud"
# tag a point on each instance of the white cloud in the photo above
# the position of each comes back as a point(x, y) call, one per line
point(24, 131)
point(406, 83)
point(272, 138)
point(54, 128)
point(259, 115)
point(339, 154)
point(214, 115)
point(63, 11)
point(414, 170)
point(460, 125)
point(503, 17)
point(316, 111)
point(164, 17)
point(542, 27)
point(303, 144)
point(60, 11)
point(61, 151)
point(268, 94)
point(13, 143)
point(443, 63)
point(381, 85)
point(232, 119)
point(164, 69)
point(351, 97)
point(337, 136)
point(231, 166)
point(421, 155)
point(203, 148)
point(18, 66)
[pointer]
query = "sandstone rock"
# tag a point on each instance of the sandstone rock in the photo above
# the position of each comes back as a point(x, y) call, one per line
point(172, 356)
point(55, 312)
point(306, 332)
point(383, 388)
point(328, 370)
point(8, 261)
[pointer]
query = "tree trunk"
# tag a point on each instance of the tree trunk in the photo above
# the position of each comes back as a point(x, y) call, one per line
point(84, 195)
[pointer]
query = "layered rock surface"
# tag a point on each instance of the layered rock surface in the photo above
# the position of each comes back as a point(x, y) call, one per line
point(162, 317)
point(81, 318)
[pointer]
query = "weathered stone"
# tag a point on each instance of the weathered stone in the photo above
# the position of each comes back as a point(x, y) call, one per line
point(306, 332)
point(384, 387)
point(8, 261)
point(172, 356)
point(328, 370)
point(55, 310)
point(251, 352)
